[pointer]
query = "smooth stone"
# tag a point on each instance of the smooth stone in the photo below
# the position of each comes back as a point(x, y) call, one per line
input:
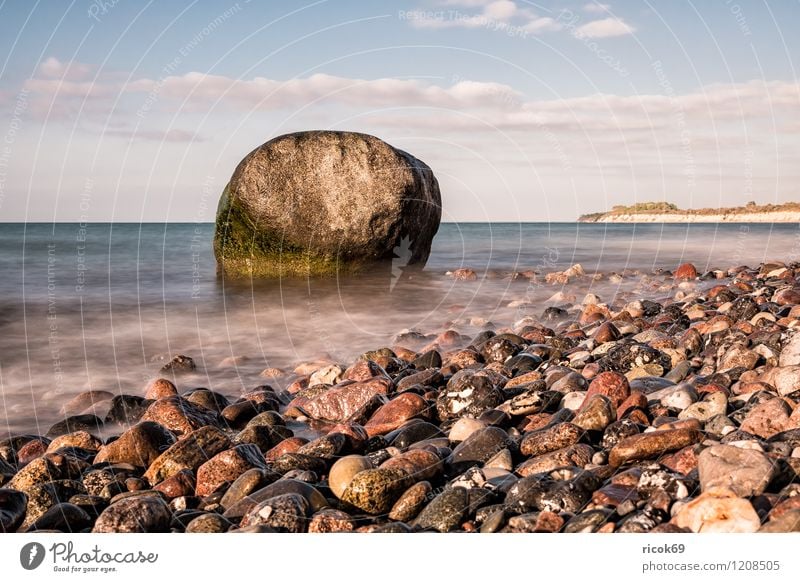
point(78, 439)
point(718, 511)
point(550, 439)
point(343, 471)
point(375, 491)
point(328, 446)
point(189, 453)
point(13, 505)
point(140, 445)
point(316, 500)
point(478, 448)
point(789, 522)
point(411, 502)
point(577, 455)
point(611, 384)
point(284, 513)
point(790, 352)
point(652, 444)
point(64, 517)
point(246, 483)
point(445, 512)
point(179, 415)
point(396, 412)
point(714, 404)
point(785, 379)
point(467, 394)
point(463, 428)
point(38, 471)
point(746, 472)
point(573, 401)
point(227, 466)
point(140, 514)
point(43, 496)
point(418, 464)
point(160, 388)
point(596, 413)
point(331, 521)
point(413, 432)
point(208, 523)
point(770, 418)
point(678, 397)
point(180, 484)
point(502, 459)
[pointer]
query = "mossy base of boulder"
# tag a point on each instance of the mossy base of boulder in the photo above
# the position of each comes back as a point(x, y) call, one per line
point(243, 250)
point(286, 265)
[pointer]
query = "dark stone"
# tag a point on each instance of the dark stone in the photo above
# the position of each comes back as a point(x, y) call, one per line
point(86, 422)
point(179, 365)
point(126, 409)
point(478, 448)
point(430, 359)
point(413, 432)
point(12, 509)
point(467, 394)
point(446, 512)
point(64, 517)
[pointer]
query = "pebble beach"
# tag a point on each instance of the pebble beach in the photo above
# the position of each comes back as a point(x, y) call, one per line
point(588, 413)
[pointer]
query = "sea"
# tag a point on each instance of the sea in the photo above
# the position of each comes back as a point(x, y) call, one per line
point(103, 306)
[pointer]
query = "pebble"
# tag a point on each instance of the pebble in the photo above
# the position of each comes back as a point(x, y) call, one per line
point(596, 413)
point(445, 512)
point(139, 446)
point(411, 502)
point(375, 491)
point(745, 472)
point(718, 511)
point(141, 514)
point(188, 453)
point(227, 466)
point(287, 513)
point(343, 471)
point(651, 444)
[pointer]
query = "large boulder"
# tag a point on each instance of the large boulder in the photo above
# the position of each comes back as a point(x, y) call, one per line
point(325, 202)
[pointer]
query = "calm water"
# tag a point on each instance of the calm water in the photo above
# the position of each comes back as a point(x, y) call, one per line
point(96, 307)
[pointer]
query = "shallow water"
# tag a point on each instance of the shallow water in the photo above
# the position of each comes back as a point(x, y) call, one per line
point(98, 306)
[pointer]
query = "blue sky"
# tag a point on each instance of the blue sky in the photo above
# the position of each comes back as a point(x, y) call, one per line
point(526, 111)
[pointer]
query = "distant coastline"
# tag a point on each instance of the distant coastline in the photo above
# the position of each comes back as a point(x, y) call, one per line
point(645, 212)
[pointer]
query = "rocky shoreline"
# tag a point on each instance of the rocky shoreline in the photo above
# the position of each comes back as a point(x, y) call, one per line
point(677, 415)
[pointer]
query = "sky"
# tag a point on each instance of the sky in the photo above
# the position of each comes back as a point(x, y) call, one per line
point(115, 110)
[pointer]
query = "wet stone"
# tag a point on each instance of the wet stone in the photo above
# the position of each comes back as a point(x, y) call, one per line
point(745, 472)
point(467, 394)
point(208, 523)
point(375, 491)
point(651, 444)
point(284, 513)
point(445, 512)
point(411, 502)
point(12, 509)
point(140, 514)
point(188, 453)
point(64, 517)
point(550, 439)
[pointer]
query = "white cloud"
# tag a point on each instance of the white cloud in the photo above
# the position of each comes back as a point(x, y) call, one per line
point(596, 8)
point(498, 15)
point(605, 28)
point(52, 68)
